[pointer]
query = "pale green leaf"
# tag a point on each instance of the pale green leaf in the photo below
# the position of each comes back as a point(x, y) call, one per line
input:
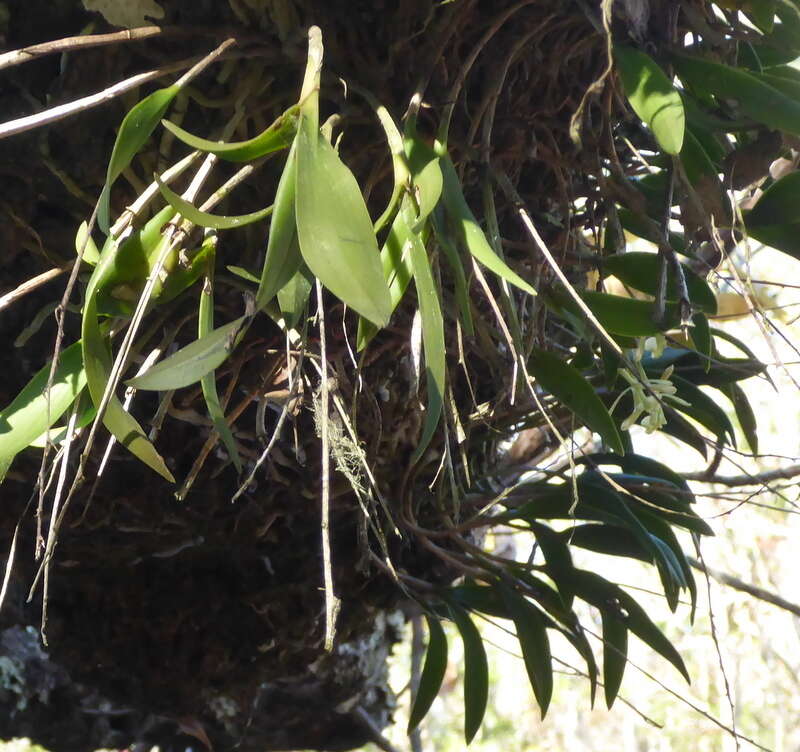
point(191, 363)
point(278, 136)
point(334, 229)
point(432, 673)
point(653, 97)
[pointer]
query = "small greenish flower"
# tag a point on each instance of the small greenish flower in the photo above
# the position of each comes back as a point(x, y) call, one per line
point(648, 394)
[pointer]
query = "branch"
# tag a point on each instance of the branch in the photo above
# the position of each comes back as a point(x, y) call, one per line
point(782, 473)
point(746, 587)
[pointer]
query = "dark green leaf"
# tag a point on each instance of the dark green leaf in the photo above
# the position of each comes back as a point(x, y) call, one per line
point(532, 636)
point(293, 296)
point(704, 410)
point(605, 596)
point(640, 270)
point(432, 673)
point(567, 385)
point(476, 673)
point(615, 654)
point(744, 414)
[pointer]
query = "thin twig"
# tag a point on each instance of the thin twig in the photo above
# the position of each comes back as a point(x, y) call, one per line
point(745, 587)
point(30, 285)
point(781, 473)
point(331, 601)
point(61, 111)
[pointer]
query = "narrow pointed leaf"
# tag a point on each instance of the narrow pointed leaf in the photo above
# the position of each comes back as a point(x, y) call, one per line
point(334, 229)
point(208, 383)
point(476, 673)
point(278, 136)
point(98, 363)
point(744, 414)
point(191, 363)
point(567, 385)
point(532, 636)
point(135, 130)
point(432, 332)
point(204, 219)
point(282, 259)
point(469, 230)
point(653, 97)
point(615, 655)
point(432, 673)
point(27, 417)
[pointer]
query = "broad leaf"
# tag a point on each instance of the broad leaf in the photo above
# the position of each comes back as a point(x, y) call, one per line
point(653, 97)
point(640, 270)
point(27, 417)
point(567, 385)
point(335, 231)
point(755, 98)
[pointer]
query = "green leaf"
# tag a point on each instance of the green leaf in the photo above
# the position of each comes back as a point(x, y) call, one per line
point(619, 315)
point(567, 385)
point(208, 383)
point(532, 636)
point(774, 219)
point(640, 270)
point(240, 271)
point(615, 655)
point(278, 136)
point(702, 339)
point(476, 673)
point(181, 277)
point(611, 540)
point(90, 253)
point(193, 362)
point(98, 363)
point(426, 178)
point(432, 331)
point(653, 97)
point(334, 229)
point(469, 230)
point(704, 410)
point(756, 99)
point(605, 596)
point(282, 260)
point(204, 219)
point(637, 463)
point(432, 673)
point(293, 296)
point(744, 414)
point(133, 133)
point(27, 417)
